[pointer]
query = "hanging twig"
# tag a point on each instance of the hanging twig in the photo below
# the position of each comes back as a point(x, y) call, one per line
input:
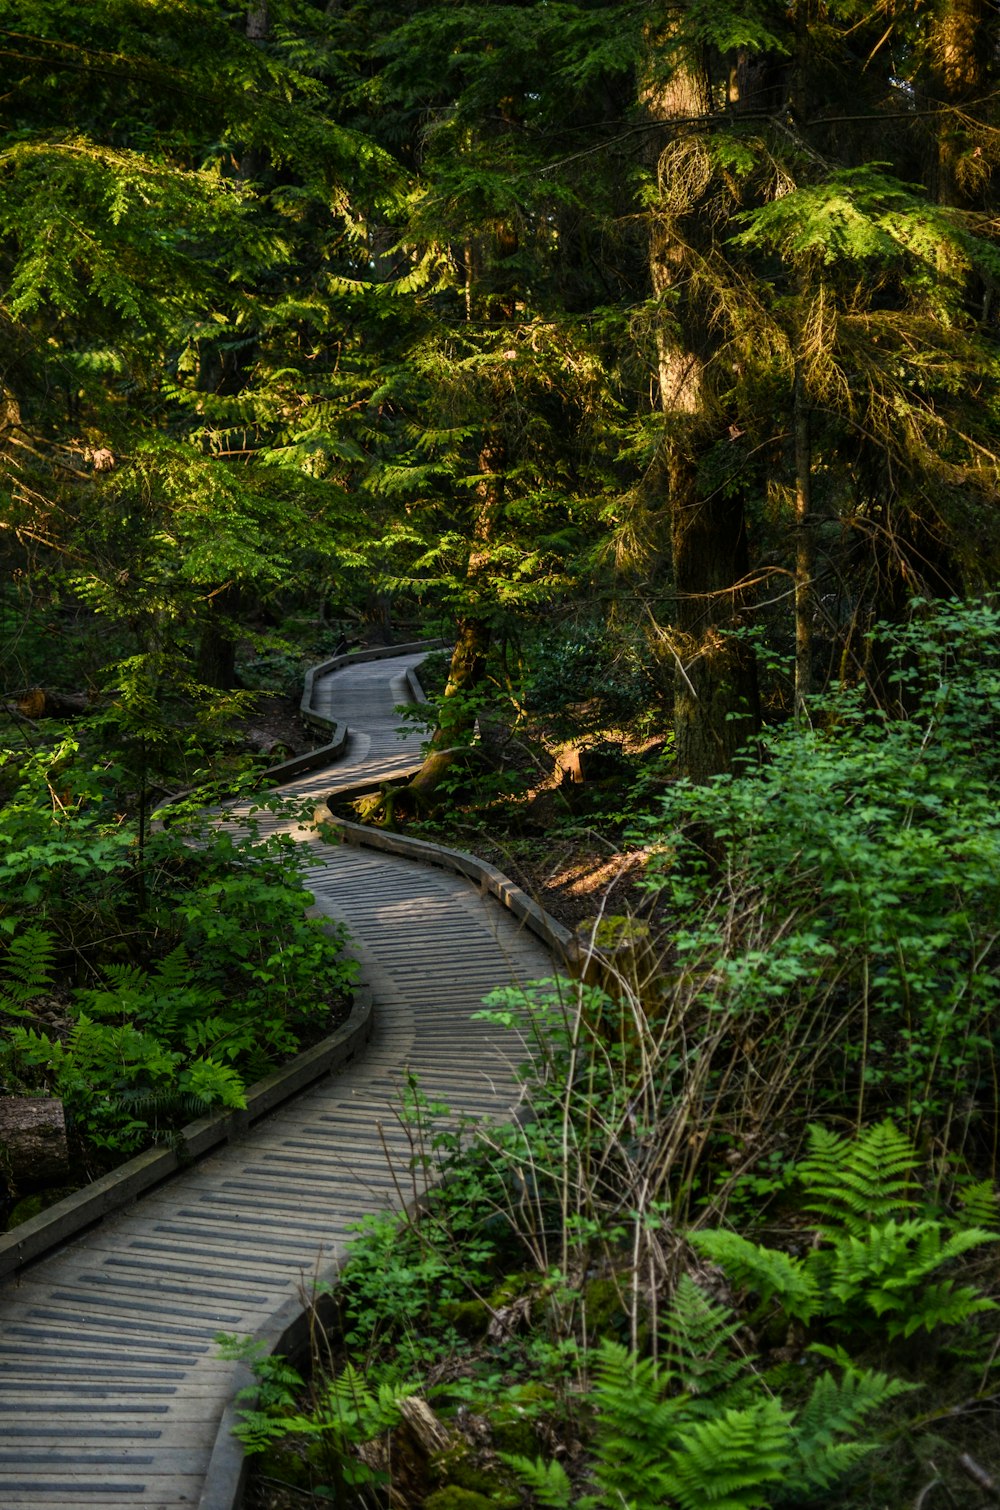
point(979, 1477)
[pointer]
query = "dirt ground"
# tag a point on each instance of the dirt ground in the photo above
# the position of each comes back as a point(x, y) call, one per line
point(275, 727)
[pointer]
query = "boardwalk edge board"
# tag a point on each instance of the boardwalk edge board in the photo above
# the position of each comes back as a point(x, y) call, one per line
point(288, 1334)
point(559, 939)
point(70, 1216)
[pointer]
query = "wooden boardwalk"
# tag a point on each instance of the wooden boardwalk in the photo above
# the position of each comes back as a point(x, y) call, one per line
point(111, 1390)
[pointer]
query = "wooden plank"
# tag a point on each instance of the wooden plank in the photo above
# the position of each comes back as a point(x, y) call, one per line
point(107, 1357)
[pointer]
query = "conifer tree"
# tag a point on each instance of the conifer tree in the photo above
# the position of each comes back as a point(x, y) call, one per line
point(489, 435)
point(826, 385)
point(167, 173)
point(449, 295)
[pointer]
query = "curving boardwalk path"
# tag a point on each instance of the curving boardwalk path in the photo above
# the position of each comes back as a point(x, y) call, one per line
point(111, 1392)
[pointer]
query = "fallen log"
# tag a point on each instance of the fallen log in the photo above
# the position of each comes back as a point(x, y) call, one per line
point(42, 702)
point(33, 1148)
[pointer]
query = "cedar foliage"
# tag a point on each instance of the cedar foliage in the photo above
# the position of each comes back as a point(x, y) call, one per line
point(390, 299)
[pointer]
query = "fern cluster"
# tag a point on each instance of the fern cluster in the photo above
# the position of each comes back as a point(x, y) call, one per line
point(703, 1427)
point(146, 1046)
point(876, 1267)
point(345, 1412)
point(27, 971)
point(703, 1431)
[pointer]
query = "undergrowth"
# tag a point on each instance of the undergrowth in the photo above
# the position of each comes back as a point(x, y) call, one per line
point(144, 984)
point(736, 1252)
point(534, 1299)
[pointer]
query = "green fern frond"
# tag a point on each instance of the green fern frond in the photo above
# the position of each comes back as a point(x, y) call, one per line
point(627, 1386)
point(696, 1333)
point(734, 1461)
point(125, 978)
point(836, 1408)
point(276, 1383)
point(173, 973)
point(852, 1182)
point(27, 969)
point(218, 1037)
point(633, 1422)
point(931, 1249)
point(158, 1103)
point(885, 1271)
point(770, 1273)
point(548, 1482)
point(944, 1304)
point(257, 1430)
point(981, 1206)
point(822, 1470)
point(213, 1084)
point(884, 1254)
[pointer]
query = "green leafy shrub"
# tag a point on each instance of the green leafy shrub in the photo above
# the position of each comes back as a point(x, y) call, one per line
point(61, 861)
point(180, 972)
point(859, 870)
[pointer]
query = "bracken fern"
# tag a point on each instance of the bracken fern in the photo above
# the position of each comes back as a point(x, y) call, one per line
point(870, 1270)
point(852, 1182)
point(704, 1430)
point(27, 970)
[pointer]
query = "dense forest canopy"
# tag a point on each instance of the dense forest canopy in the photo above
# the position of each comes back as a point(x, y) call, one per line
point(513, 310)
point(648, 354)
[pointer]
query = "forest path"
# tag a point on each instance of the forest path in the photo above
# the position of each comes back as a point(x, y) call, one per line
point(111, 1388)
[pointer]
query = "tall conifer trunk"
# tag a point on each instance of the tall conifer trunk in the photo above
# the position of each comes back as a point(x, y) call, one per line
point(715, 697)
point(801, 410)
point(216, 659)
point(258, 21)
point(804, 562)
point(960, 41)
point(960, 45)
point(457, 714)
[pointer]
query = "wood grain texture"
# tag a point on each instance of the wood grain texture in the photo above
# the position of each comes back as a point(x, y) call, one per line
point(111, 1389)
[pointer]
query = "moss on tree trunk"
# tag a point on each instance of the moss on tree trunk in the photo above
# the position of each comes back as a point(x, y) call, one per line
point(457, 714)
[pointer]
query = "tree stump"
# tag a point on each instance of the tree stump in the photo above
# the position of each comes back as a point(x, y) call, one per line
point(33, 1149)
point(409, 1452)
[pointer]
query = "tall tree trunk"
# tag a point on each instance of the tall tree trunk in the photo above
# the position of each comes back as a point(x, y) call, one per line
point(801, 413)
point(802, 427)
point(956, 79)
point(457, 714)
point(258, 21)
point(960, 38)
point(716, 698)
point(216, 659)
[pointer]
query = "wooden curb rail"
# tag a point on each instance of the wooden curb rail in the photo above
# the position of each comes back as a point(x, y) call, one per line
point(75, 1213)
point(431, 948)
point(560, 940)
point(67, 1218)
